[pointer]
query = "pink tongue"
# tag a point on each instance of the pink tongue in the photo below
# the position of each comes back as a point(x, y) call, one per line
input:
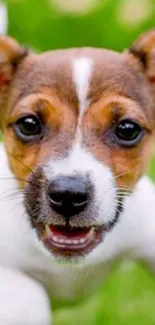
point(69, 233)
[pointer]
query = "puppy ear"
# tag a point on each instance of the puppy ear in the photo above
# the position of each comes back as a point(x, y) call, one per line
point(11, 53)
point(144, 49)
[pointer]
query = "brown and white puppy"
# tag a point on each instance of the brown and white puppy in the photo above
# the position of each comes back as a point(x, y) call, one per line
point(78, 128)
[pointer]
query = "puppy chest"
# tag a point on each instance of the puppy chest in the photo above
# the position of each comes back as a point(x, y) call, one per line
point(70, 285)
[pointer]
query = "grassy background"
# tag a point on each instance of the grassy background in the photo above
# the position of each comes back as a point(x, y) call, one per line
point(128, 296)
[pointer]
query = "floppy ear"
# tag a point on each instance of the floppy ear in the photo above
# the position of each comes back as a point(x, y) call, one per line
point(11, 54)
point(144, 49)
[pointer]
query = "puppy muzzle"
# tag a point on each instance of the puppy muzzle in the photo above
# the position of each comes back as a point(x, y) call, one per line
point(64, 212)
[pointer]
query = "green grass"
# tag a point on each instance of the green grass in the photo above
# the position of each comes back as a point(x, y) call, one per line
point(126, 298)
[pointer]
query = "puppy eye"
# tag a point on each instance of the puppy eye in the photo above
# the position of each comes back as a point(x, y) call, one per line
point(128, 132)
point(28, 128)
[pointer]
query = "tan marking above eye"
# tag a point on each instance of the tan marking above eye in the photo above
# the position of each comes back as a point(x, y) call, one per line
point(112, 108)
point(37, 104)
point(49, 108)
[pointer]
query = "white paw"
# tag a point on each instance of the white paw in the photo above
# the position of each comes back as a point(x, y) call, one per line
point(22, 300)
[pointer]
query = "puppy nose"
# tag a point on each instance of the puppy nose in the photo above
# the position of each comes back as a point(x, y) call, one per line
point(68, 196)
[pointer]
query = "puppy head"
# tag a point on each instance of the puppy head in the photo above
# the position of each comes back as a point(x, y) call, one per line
point(78, 127)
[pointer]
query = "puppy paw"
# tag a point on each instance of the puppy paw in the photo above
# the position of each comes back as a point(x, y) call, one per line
point(22, 300)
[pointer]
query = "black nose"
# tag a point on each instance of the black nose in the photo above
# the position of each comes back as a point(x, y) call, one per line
point(68, 196)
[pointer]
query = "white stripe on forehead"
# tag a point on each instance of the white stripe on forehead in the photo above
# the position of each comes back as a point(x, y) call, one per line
point(82, 71)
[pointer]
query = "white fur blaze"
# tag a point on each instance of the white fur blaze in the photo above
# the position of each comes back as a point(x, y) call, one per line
point(82, 71)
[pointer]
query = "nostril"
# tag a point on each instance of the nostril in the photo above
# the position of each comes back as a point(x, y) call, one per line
point(55, 197)
point(68, 195)
point(59, 198)
point(79, 199)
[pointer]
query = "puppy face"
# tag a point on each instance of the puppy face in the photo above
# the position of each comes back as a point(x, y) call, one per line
point(78, 128)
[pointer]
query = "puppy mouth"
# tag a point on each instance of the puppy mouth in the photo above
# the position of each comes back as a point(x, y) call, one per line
point(67, 241)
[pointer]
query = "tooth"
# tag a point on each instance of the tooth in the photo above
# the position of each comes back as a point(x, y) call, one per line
point(90, 234)
point(48, 230)
point(55, 238)
point(82, 240)
point(68, 241)
point(61, 241)
point(75, 242)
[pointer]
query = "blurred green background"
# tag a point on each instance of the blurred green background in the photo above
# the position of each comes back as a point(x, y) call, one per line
point(128, 296)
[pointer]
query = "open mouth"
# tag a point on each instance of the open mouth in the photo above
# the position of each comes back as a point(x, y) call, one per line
point(70, 241)
point(67, 241)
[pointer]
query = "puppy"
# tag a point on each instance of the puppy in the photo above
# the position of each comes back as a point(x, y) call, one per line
point(78, 131)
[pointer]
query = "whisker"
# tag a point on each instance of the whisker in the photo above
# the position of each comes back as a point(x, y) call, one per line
point(127, 172)
point(11, 196)
point(11, 193)
point(17, 159)
point(124, 192)
point(119, 189)
point(13, 178)
point(124, 187)
point(122, 195)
